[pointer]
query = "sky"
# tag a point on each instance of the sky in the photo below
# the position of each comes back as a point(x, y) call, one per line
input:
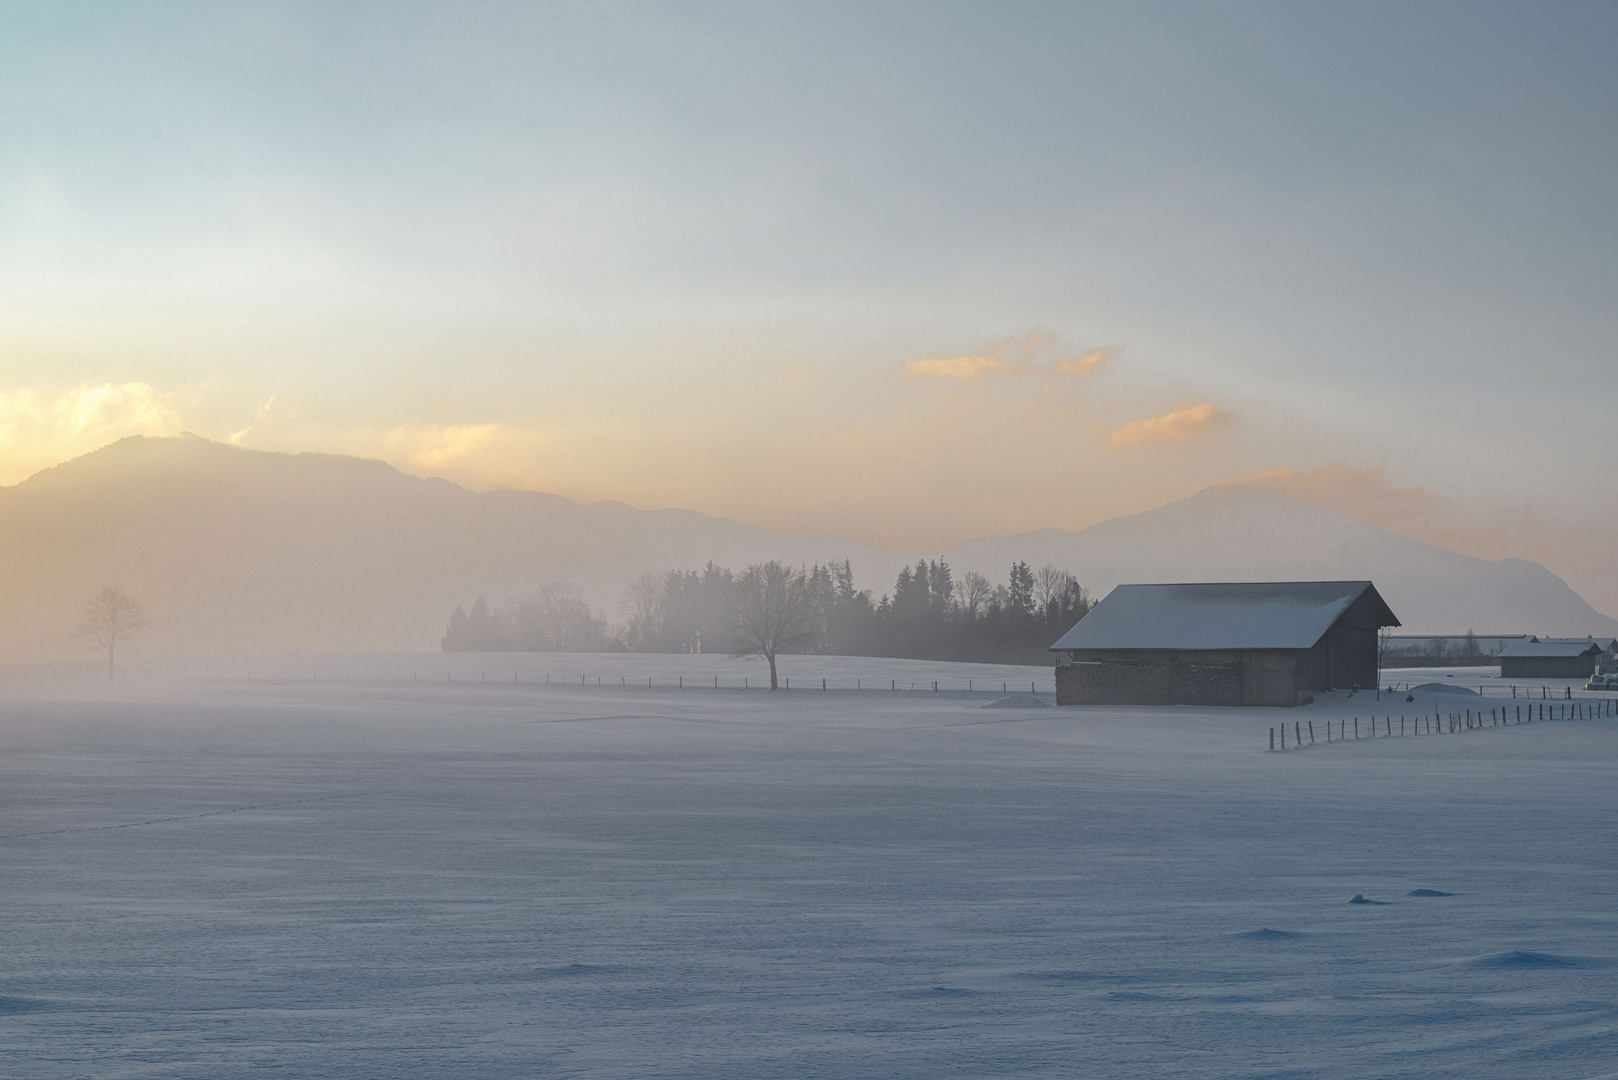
point(904, 274)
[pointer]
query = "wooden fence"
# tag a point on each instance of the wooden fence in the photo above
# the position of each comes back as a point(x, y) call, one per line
point(1452, 723)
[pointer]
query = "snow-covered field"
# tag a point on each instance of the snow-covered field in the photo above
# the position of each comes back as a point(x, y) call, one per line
point(372, 877)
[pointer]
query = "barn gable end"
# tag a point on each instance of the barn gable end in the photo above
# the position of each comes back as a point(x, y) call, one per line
point(1238, 643)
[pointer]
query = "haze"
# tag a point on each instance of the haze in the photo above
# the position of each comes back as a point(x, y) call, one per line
point(533, 539)
point(907, 277)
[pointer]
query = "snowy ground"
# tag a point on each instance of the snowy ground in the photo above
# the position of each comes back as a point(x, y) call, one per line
point(367, 878)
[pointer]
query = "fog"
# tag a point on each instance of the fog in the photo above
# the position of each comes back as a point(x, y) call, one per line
point(231, 551)
point(210, 874)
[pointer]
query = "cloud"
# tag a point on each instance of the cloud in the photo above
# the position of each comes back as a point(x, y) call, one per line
point(1035, 352)
point(1580, 548)
point(1086, 363)
point(474, 454)
point(1364, 494)
point(38, 430)
point(957, 367)
point(1172, 427)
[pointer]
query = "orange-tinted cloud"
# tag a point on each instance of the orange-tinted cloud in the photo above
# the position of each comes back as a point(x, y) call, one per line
point(1086, 363)
point(38, 430)
point(957, 367)
point(1172, 427)
point(1582, 551)
point(1364, 494)
point(1037, 351)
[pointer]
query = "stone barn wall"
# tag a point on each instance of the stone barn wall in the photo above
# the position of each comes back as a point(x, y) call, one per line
point(1149, 682)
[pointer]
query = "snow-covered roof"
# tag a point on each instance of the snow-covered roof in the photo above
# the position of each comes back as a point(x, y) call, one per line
point(1606, 644)
point(1552, 648)
point(1225, 615)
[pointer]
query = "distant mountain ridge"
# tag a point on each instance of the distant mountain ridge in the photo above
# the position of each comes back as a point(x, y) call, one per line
point(1250, 532)
point(235, 551)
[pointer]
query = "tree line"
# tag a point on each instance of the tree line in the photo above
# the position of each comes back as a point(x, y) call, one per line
point(768, 608)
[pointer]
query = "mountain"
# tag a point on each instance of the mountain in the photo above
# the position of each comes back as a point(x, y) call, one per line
point(235, 551)
point(1249, 532)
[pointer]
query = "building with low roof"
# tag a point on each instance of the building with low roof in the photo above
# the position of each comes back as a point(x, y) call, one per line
point(1234, 643)
point(1608, 646)
point(1553, 658)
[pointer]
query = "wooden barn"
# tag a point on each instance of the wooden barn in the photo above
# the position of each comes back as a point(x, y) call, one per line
point(1239, 643)
point(1565, 658)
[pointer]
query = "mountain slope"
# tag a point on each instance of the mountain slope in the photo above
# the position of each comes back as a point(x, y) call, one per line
point(236, 550)
point(1244, 532)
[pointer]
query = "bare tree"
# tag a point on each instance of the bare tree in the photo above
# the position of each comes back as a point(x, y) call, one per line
point(974, 591)
point(113, 616)
point(1384, 649)
point(555, 618)
point(642, 604)
point(1050, 584)
point(771, 606)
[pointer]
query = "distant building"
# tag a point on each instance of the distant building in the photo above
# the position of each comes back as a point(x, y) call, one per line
point(1445, 650)
point(1554, 658)
point(1609, 647)
point(1243, 643)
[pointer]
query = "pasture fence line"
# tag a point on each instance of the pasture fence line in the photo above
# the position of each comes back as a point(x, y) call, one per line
point(1459, 722)
point(1515, 691)
point(178, 671)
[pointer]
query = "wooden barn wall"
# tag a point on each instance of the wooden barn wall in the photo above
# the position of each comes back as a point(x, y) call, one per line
point(1547, 667)
point(1267, 677)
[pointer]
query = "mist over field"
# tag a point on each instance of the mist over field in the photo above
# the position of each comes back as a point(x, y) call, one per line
point(237, 551)
point(878, 542)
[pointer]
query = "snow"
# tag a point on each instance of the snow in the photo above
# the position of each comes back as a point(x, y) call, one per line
point(1552, 648)
point(1440, 688)
point(220, 877)
point(1216, 615)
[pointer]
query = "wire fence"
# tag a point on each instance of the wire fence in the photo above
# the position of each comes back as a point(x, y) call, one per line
point(1515, 691)
point(1443, 723)
point(179, 671)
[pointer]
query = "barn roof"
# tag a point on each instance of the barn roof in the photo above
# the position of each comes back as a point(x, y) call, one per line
point(1607, 644)
point(1229, 615)
point(1551, 648)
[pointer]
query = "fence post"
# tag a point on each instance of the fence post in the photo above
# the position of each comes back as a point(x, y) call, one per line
point(1272, 738)
point(1356, 727)
point(1297, 735)
point(1311, 733)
